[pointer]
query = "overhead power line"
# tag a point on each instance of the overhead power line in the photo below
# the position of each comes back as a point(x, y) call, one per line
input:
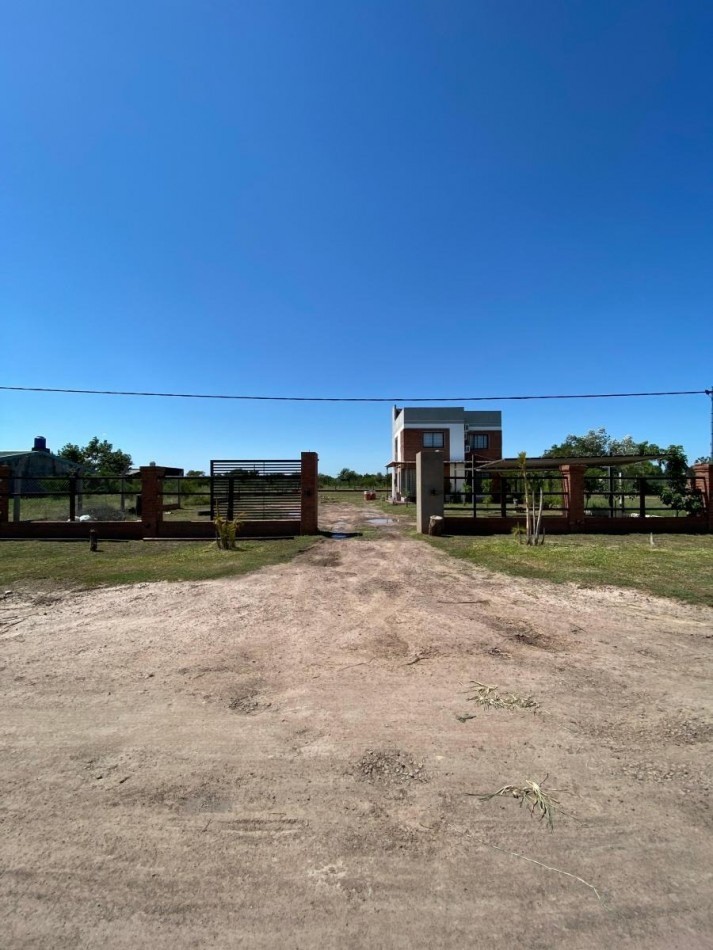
point(389, 399)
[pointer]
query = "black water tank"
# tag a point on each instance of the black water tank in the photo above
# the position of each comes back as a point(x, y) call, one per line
point(40, 444)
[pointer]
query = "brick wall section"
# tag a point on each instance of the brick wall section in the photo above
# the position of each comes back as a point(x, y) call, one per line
point(704, 481)
point(310, 494)
point(412, 442)
point(152, 499)
point(5, 480)
point(487, 526)
point(74, 530)
point(195, 530)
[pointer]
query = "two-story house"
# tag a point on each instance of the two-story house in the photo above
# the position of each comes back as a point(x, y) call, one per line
point(461, 435)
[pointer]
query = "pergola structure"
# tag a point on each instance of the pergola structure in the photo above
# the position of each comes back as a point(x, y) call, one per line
point(550, 462)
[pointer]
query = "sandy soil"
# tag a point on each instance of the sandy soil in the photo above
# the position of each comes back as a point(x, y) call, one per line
point(277, 760)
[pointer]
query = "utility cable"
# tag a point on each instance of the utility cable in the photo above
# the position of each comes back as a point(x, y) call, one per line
point(360, 399)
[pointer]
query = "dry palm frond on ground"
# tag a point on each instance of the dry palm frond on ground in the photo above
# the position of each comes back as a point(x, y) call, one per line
point(489, 696)
point(531, 793)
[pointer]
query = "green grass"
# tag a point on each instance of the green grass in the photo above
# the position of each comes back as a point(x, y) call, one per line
point(71, 564)
point(678, 566)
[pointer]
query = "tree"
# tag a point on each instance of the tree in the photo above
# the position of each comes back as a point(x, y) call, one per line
point(678, 493)
point(347, 475)
point(97, 458)
point(595, 442)
point(599, 442)
point(533, 514)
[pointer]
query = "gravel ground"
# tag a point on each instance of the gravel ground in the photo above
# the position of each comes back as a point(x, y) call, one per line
point(291, 759)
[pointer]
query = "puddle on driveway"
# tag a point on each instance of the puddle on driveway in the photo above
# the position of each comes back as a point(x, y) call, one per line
point(341, 531)
point(380, 521)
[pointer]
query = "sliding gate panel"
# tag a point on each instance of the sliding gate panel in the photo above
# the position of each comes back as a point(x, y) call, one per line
point(251, 490)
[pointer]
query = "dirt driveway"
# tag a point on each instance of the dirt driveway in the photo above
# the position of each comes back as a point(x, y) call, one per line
point(277, 760)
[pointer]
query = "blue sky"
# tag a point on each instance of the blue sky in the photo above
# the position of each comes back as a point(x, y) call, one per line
point(342, 198)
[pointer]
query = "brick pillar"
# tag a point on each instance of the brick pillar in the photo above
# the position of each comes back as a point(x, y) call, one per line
point(704, 480)
point(152, 499)
point(5, 482)
point(573, 492)
point(310, 494)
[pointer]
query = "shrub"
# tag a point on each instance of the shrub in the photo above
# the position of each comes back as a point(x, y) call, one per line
point(226, 532)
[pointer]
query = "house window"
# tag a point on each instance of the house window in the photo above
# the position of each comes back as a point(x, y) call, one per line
point(433, 440)
point(479, 441)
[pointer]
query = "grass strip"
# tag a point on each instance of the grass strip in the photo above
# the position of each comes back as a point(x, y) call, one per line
point(676, 565)
point(71, 564)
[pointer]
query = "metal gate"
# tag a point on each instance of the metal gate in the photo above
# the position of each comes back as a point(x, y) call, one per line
point(250, 490)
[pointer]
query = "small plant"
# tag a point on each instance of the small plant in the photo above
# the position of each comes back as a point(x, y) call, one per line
point(226, 531)
point(531, 794)
point(489, 696)
point(533, 513)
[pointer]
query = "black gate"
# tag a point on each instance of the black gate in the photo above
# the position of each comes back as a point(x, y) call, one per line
point(252, 490)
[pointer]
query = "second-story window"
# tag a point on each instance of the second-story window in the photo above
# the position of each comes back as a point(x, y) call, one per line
point(433, 440)
point(479, 441)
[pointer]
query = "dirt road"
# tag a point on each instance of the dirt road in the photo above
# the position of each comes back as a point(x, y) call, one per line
point(277, 760)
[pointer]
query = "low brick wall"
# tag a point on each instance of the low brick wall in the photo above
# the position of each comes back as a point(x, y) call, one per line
point(135, 530)
point(489, 526)
point(73, 530)
point(249, 529)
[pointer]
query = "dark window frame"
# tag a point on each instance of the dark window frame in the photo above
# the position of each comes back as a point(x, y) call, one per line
point(479, 440)
point(434, 444)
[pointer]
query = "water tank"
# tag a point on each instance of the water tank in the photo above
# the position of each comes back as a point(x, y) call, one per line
point(40, 444)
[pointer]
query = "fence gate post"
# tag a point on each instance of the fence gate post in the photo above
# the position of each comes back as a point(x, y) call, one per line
point(429, 488)
point(72, 497)
point(152, 499)
point(17, 498)
point(703, 475)
point(309, 514)
point(5, 475)
point(573, 493)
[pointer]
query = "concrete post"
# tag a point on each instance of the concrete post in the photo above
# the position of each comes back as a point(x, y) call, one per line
point(309, 520)
point(429, 488)
point(704, 480)
point(152, 499)
point(573, 492)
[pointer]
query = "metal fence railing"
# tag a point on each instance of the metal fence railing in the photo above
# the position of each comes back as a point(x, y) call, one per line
point(186, 498)
point(617, 495)
point(607, 494)
point(257, 490)
point(74, 498)
point(468, 493)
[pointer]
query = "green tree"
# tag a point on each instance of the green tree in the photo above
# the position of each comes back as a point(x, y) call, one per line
point(347, 475)
point(97, 458)
point(599, 442)
point(678, 492)
point(594, 442)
